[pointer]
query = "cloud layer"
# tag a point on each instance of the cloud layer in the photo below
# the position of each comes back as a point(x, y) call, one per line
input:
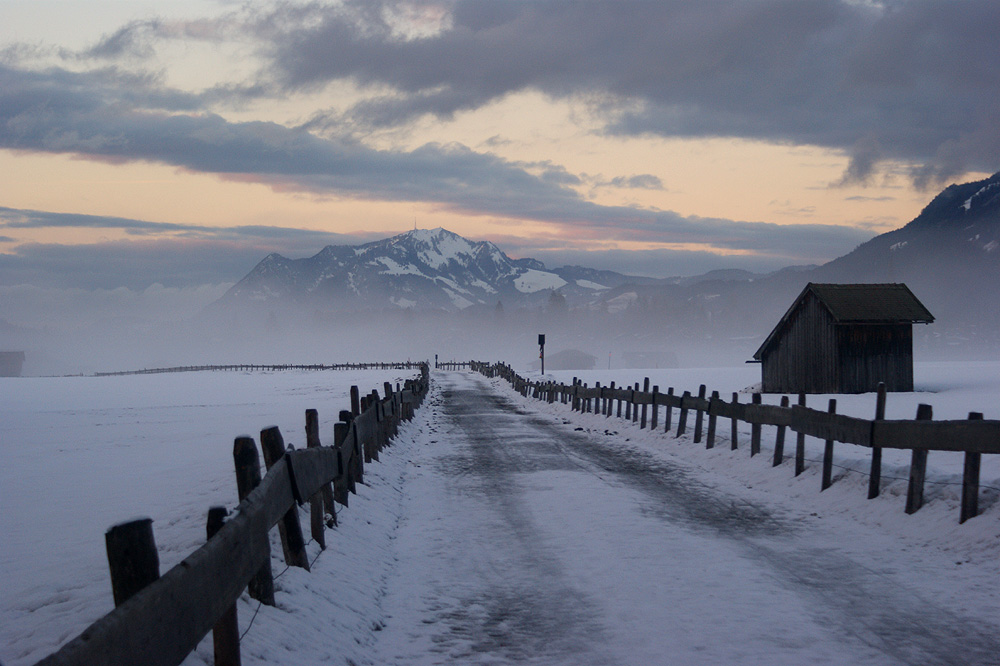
point(915, 81)
point(905, 79)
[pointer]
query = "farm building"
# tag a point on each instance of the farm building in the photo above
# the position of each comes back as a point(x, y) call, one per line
point(10, 363)
point(843, 338)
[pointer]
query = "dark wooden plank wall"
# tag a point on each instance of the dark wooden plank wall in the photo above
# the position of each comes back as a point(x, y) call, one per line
point(804, 357)
point(873, 353)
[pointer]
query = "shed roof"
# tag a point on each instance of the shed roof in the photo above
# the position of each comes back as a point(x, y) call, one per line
point(871, 303)
point(860, 304)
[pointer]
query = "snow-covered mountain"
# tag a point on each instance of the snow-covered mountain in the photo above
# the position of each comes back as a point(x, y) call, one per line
point(420, 269)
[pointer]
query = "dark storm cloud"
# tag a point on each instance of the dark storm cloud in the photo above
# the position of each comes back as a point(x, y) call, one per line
point(58, 111)
point(915, 80)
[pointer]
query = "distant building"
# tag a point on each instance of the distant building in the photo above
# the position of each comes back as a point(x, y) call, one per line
point(843, 338)
point(568, 359)
point(11, 363)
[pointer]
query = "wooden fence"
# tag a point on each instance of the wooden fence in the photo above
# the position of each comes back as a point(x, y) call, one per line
point(404, 365)
point(973, 436)
point(160, 620)
point(452, 365)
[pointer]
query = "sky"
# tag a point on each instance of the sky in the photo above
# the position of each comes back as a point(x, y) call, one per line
point(155, 150)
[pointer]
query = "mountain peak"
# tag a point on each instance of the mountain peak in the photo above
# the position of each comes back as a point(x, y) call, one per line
point(961, 203)
point(427, 268)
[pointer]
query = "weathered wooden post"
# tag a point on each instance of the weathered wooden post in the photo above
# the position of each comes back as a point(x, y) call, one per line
point(970, 480)
point(755, 430)
point(875, 478)
point(635, 405)
point(645, 411)
point(132, 557)
point(609, 402)
point(292, 542)
point(779, 440)
point(669, 411)
point(628, 403)
point(828, 453)
point(710, 440)
point(355, 401)
point(699, 415)
point(682, 419)
point(800, 443)
point(342, 484)
point(316, 502)
point(654, 418)
point(918, 467)
point(226, 632)
point(261, 586)
point(734, 422)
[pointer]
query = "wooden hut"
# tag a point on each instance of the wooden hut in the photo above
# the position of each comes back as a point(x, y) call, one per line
point(843, 338)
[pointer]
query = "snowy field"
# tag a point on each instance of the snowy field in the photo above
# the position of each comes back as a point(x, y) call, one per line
point(83, 453)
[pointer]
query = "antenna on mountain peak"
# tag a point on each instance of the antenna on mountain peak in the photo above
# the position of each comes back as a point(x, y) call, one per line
point(414, 224)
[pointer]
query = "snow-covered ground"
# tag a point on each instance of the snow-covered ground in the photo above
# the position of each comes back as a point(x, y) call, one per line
point(83, 453)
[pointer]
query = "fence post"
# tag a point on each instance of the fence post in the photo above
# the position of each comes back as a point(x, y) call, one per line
point(654, 417)
point(645, 411)
point(261, 586)
point(669, 410)
point(918, 467)
point(132, 557)
point(800, 443)
point(682, 420)
point(609, 403)
point(355, 401)
point(635, 405)
point(628, 403)
point(875, 478)
point(755, 430)
point(779, 440)
point(710, 441)
point(226, 632)
point(970, 480)
point(734, 422)
point(316, 518)
point(828, 453)
point(699, 416)
point(342, 484)
point(292, 542)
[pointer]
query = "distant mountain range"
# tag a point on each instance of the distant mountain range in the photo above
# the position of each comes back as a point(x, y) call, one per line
point(949, 256)
point(420, 269)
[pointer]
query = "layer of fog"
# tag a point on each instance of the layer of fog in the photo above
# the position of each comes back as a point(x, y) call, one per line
point(82, 332)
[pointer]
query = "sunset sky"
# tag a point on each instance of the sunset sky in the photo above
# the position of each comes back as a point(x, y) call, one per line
point(171, 145)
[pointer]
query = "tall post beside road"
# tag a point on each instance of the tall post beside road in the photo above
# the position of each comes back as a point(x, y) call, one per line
point(541, 350)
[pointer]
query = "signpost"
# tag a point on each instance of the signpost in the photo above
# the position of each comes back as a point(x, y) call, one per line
point(541, 350)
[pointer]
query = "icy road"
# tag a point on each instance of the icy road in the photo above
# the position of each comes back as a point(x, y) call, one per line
point(527, 539)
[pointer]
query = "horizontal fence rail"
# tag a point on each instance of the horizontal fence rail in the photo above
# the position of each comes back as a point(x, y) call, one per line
point(973, 437)
point(160, 620)
point(401, 365)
